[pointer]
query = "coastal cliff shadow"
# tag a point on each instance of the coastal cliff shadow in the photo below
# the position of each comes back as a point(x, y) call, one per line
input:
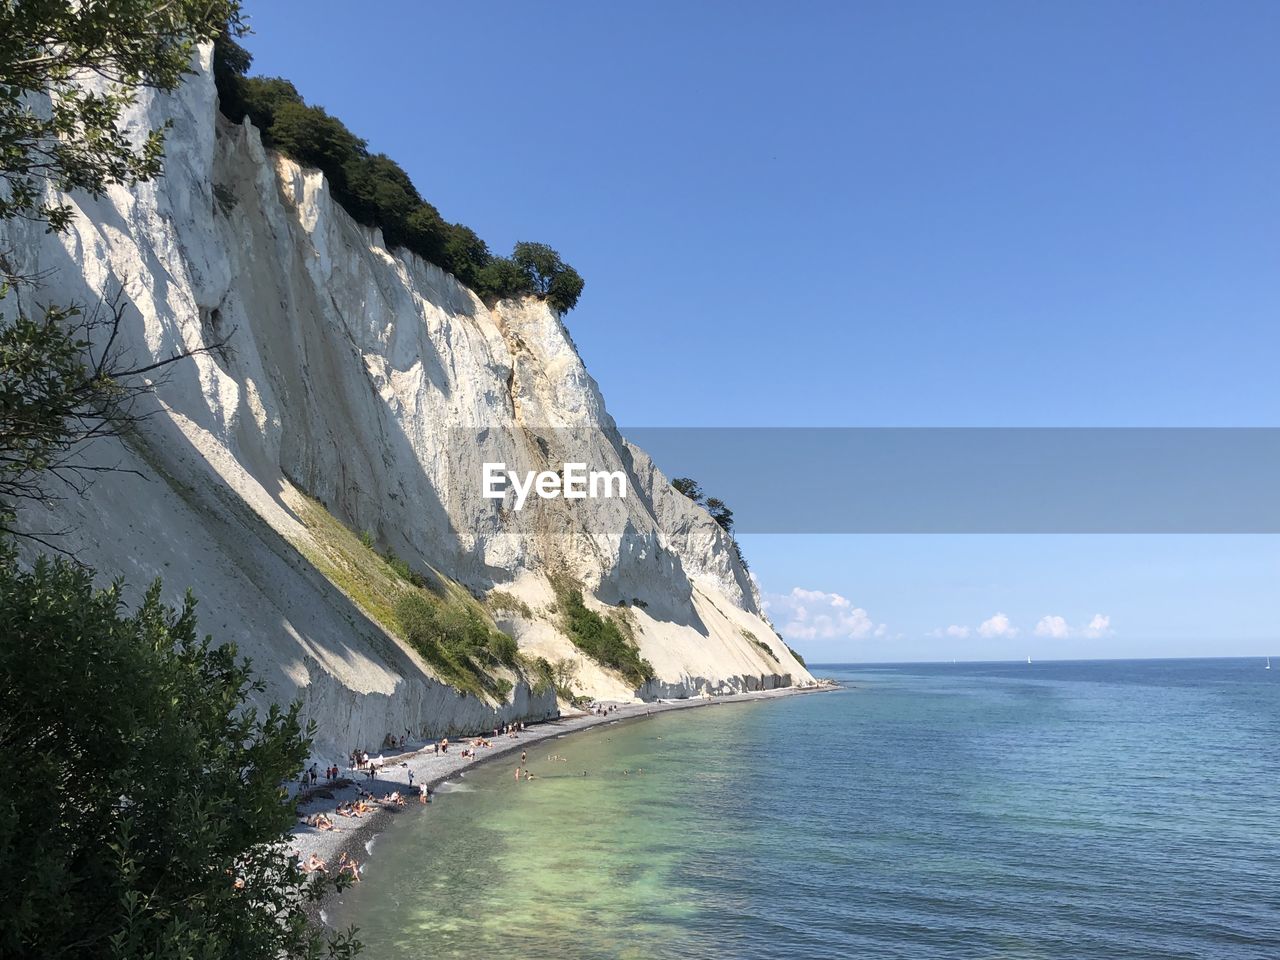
point(668, 592)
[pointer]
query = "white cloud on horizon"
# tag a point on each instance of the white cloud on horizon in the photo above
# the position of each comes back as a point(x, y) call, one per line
point(996, 627)
point(1053, 626)
point(816, 615)
point(1099, 626)
point(1057, 627)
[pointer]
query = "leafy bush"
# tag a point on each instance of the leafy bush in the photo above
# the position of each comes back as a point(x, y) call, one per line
point(543, 674)
point(718, 509)
point(149, 821)
point(377, 192)
point(548, 275)
point(796, 653)
point(403, 570)
point(603, 639)
point(456, 640)
point(503, 648)
point(565, 674)
point(689, 487)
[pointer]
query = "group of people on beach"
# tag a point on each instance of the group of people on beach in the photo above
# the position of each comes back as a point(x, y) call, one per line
point(392, 742)
point(315, 864)
point(312, 775)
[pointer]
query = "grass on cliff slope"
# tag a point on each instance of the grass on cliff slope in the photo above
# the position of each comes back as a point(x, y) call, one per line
point(445, 625)
point(764, 647)
point(606, 640)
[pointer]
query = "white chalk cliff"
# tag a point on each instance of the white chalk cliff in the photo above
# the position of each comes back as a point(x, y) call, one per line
point(373, 383)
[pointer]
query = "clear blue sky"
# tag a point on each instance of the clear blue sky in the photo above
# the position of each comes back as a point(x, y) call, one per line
point(878, 214)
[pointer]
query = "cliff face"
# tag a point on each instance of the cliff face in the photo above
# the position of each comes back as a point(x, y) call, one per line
point(361, 389)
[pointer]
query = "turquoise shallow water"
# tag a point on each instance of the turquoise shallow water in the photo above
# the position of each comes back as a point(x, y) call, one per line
point(1059, 810)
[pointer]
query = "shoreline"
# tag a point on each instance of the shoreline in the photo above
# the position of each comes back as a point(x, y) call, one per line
point(354, 837)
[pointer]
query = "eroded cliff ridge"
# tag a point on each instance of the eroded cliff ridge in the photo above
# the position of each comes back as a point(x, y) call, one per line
point(359, 391)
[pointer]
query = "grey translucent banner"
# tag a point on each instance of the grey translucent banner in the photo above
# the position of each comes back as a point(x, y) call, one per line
point(984, 480)
point(902, 480)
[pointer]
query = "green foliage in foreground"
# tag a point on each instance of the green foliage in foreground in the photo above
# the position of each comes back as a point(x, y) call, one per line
point(377, 192)
point(796, 653)
point(455, 639)
point(73, 139)
point(149, 820)
point(602, 638)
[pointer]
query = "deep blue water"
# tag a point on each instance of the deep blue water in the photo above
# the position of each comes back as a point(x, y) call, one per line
point(1054, 810)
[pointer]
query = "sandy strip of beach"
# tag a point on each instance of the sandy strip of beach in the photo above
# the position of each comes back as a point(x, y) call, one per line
point(353, 836)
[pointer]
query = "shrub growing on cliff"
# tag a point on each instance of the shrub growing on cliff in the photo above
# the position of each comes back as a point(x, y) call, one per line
point(150, 820)
point(377, 192)
point(718, 509)
point(689, 487)
point(548, 275)
point(456, 641)
point(603, 640)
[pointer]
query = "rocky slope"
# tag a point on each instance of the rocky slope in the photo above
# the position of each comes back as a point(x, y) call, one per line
point(361, 389)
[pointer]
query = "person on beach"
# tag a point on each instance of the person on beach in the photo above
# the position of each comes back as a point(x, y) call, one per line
point(410, 779)
point(347, 865)
point(523, 756)
point(314, 863)
point(517, 774)
point(436, 747)
point(422, 793)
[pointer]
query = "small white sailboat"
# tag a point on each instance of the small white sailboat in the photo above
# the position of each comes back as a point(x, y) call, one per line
point(1268, 663)
point(1028, 658)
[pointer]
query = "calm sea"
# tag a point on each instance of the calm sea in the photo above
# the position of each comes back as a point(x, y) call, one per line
point(1052, 810)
